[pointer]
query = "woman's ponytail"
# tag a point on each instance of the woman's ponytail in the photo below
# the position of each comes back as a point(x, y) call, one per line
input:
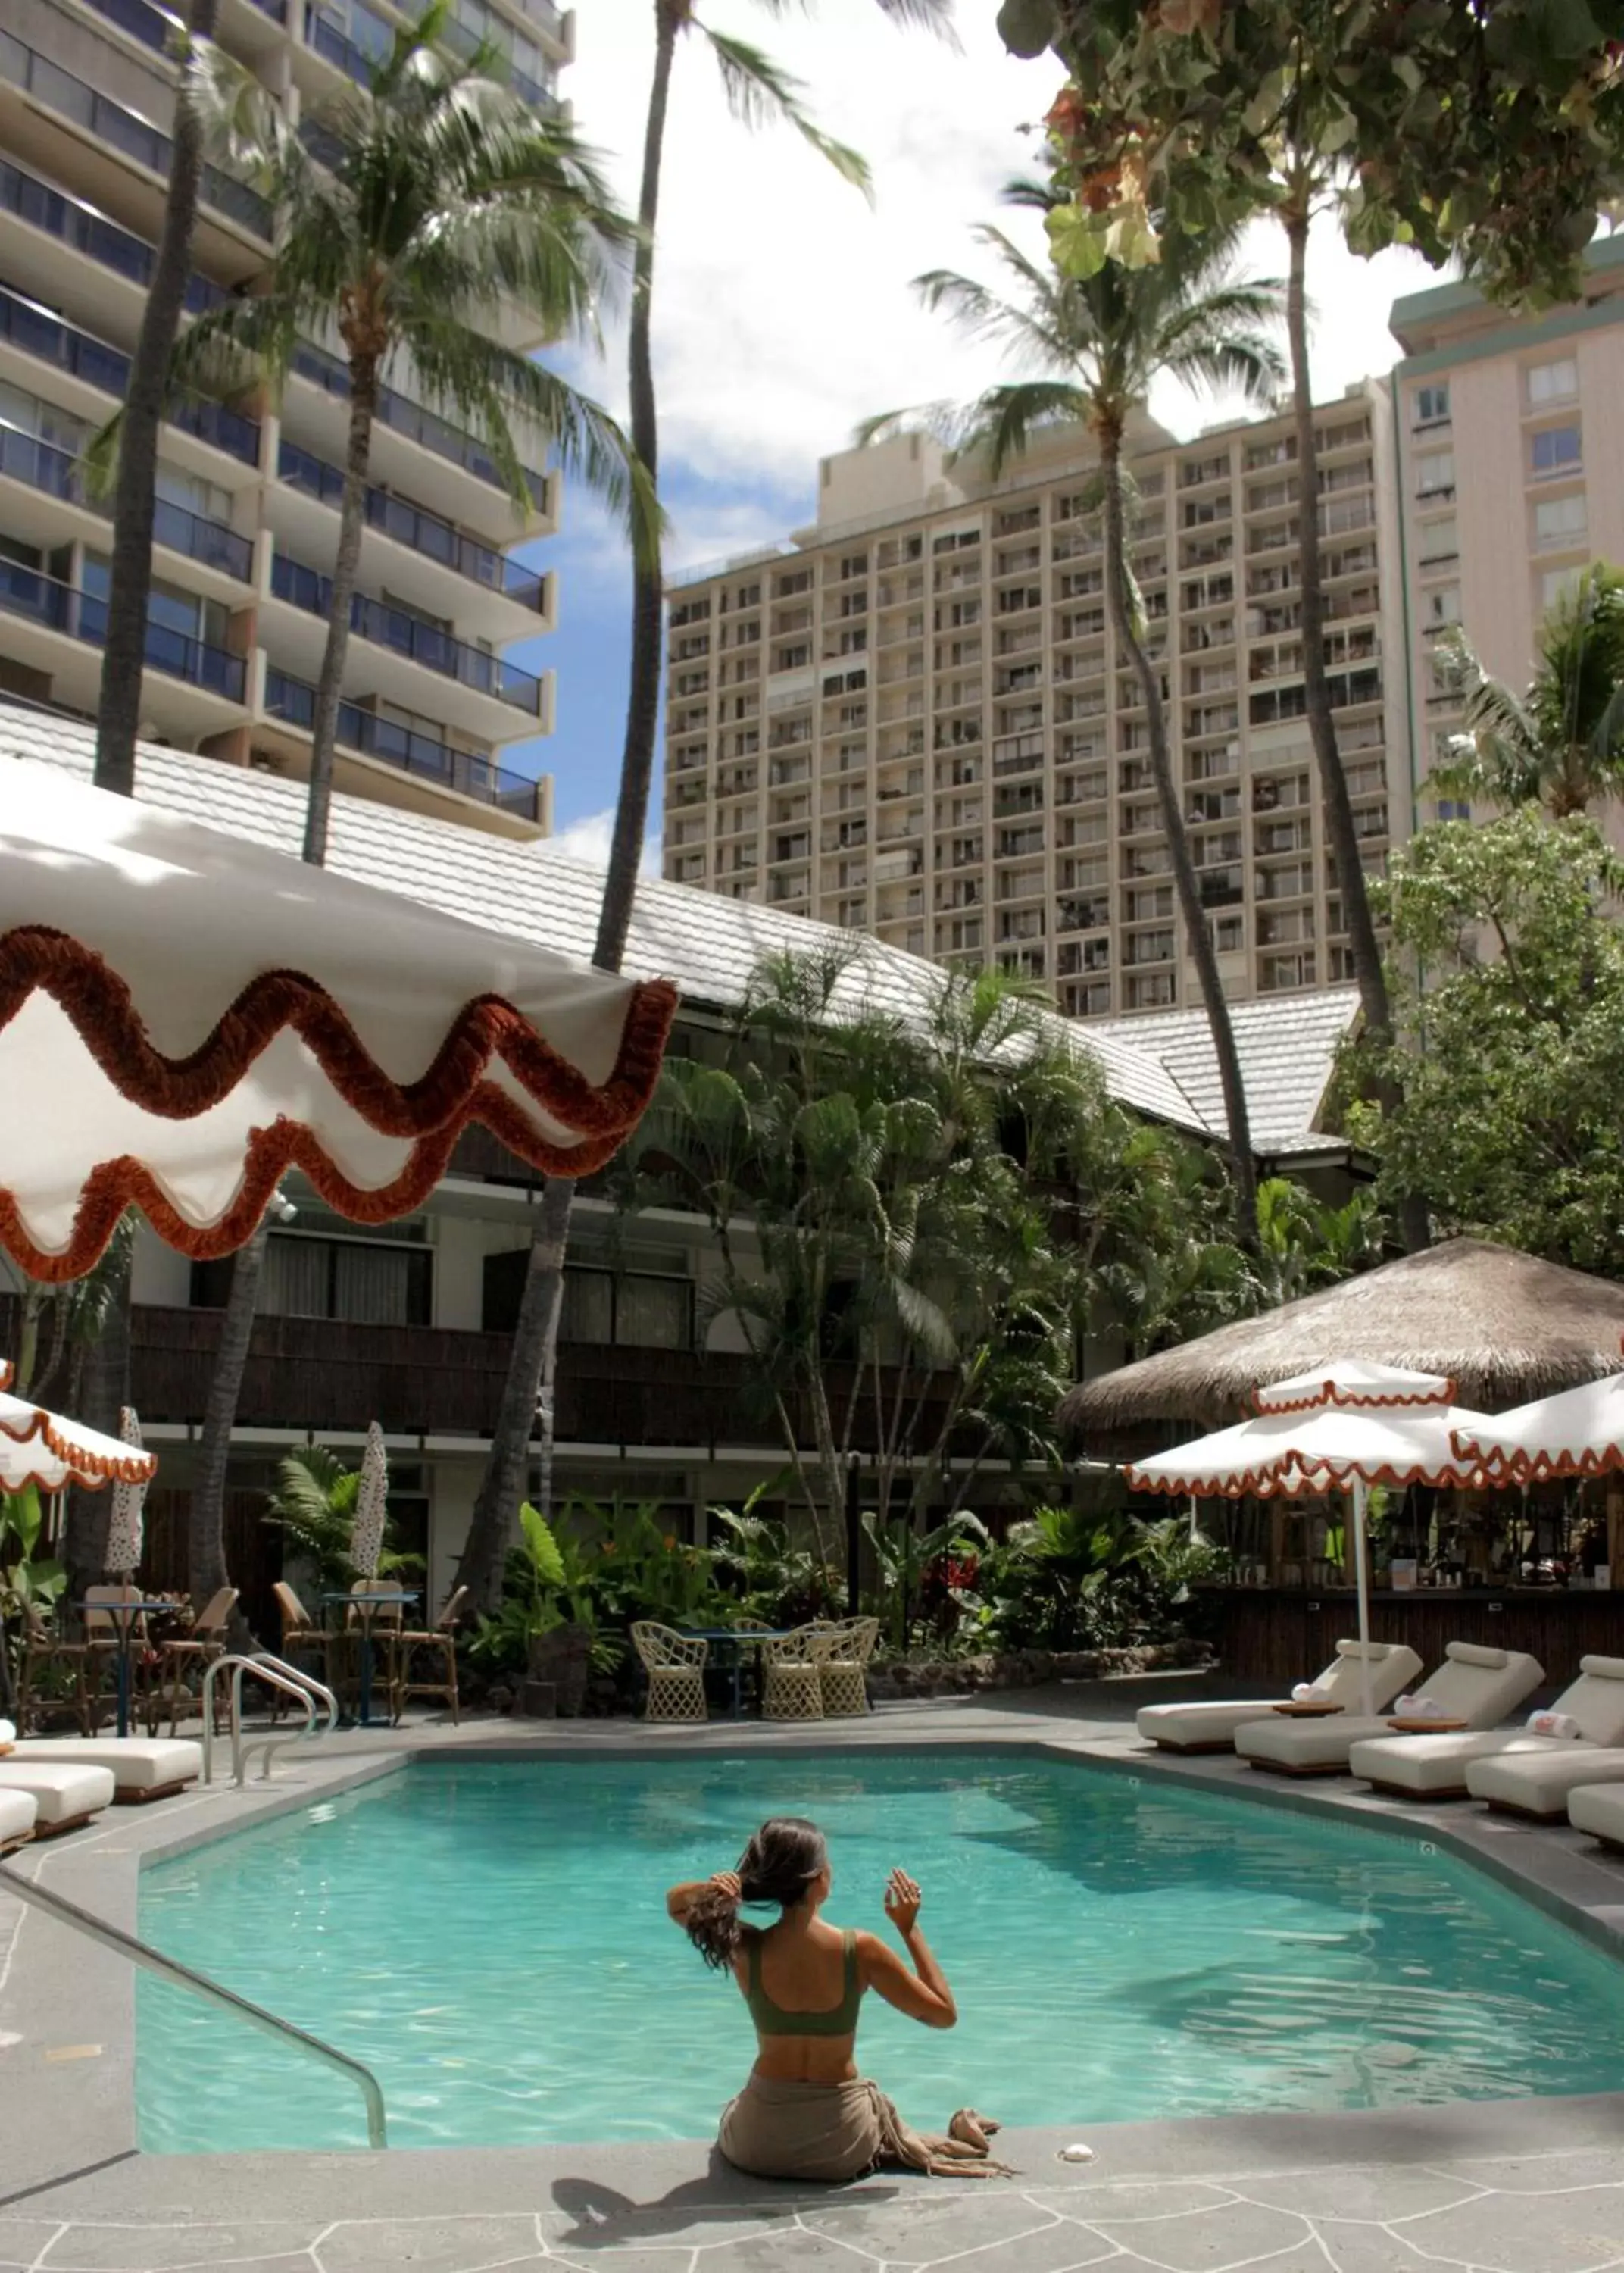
point(779, 1865)
point(712, 1926)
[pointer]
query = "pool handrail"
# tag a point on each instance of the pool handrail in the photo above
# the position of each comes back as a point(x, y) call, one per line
point(185, 1976)
point(276, 1673)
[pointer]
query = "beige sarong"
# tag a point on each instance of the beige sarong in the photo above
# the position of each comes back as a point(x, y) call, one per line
point(836, 2130)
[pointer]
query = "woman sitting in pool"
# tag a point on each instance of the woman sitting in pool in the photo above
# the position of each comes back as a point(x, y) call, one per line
point(805, 2113)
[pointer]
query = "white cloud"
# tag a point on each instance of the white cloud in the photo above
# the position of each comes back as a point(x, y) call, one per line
point(588, 840)
point(782, 312)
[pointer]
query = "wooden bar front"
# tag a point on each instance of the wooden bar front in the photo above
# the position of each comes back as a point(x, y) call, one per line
point(1278, 1635)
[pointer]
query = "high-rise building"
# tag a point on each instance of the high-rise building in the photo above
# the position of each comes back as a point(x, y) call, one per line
point(1511, 472)
point(914, 718)
point(248, 496)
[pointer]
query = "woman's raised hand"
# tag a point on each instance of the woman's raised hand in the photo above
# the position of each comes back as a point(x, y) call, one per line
point(728, 1883)
point(902, 1900)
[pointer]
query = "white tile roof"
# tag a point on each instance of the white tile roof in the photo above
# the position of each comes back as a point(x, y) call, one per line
point(1288, 1047)
point(1159, 1065)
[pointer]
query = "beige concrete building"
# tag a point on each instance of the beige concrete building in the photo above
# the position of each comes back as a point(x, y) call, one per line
point(912, 719)
point(1511, 473)
point(248, 496)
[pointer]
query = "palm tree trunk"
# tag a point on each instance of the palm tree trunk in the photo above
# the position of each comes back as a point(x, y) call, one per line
point(1344, 844)
point(1198, 933)
point(532, 1360)
point(530, 1366)
point(352, 523)
point(130, 581)
point(206, 1527)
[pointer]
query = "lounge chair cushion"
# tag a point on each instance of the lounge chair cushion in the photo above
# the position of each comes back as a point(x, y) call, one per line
point(1192, 1724)
point(17, 1812)
point(1424, 1764)
point(1282, 1742)
point(1478, 1686)
point(1599, 1808)
point(139, 1764)
point(60, 1794)
point(1540, 1782)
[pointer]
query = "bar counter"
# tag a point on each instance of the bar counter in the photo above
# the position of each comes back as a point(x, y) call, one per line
point(1278, 1635)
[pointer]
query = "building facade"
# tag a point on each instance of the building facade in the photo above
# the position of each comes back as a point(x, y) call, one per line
point(1511, 473)
point(248, 496)
point(914, 720)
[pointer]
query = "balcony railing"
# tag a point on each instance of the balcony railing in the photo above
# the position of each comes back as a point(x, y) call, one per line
point(407, 636)
point(109, 122)
point(418, 754)
point(37, 332)
point(24, 457)
point(344, 54)
point(422, 532)
point(405, 417)
point(80, 615)
point(87, 231)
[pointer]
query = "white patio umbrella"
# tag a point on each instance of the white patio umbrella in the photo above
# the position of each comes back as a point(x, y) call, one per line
point(1577, 1432)
point(185, 1016)
point(366, 1537)
point(125, 1530)
point(1345, 1425)
point(42, 1448)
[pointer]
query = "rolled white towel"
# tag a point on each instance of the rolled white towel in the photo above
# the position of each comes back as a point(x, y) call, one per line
point(1562, 1725)
point(1420, 1708)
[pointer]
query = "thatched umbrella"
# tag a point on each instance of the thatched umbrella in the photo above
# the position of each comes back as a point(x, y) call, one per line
point(1503, 1327)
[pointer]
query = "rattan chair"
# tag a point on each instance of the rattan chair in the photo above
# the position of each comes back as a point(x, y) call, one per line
point(842, 1676)
point(385, 1627)
point(302, 1641)
point(436, 1643)
point(675, 1664)
point(105, 1635)
point(191, 1654)
point(58, 1679)
point(792, 1675)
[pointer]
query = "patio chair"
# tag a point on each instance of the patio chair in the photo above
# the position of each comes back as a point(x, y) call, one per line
point(1211, 1727)
point(105, 1635)
point(302, 1641)
point(842, 1675)
point(55, 1677)
point(792, 1675)
point(191, 1653)
point(1447, 1767)
point(1474, 1685)
point(386, 1624)
point(438, 1643)
point(675, 1664)
point(17, 1811)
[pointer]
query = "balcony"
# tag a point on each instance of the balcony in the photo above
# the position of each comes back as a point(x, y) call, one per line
point(24, 459)
point(418, 754)
point(84, 230)
point(40, 599)
point(419, 643)
point(110, 125)
point(399, 412)
point(425, 533)
point(37, 332)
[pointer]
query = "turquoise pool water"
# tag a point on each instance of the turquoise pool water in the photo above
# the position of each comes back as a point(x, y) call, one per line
point(491, 1938)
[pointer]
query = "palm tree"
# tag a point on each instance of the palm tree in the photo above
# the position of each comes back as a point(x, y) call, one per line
point(759, 93)
point(439, 196)
point(1561, 744)
point(1098, 342)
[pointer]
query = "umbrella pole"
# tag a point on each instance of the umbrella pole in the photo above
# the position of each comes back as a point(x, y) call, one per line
point(1361, 1569)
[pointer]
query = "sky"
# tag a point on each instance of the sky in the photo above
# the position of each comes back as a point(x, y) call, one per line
point(782, 312)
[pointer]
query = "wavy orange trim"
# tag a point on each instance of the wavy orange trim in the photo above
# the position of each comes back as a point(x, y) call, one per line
point(132, 1467)
point(7, 1372)
point(1544, 1467)
point(98, 1004)
point(1352, 1400)
point(38, 1480)
point(1269, 1483)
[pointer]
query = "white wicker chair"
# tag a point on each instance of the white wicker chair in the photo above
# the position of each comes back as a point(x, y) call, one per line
point(848, 1646)
point(792, 1675)
point(675, 1664)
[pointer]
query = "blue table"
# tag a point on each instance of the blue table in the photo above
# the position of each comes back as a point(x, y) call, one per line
point(740, 1639)
point(124, 1613)
point(366, 1606)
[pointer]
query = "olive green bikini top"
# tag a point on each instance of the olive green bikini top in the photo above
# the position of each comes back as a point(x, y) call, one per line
point(833, 2021)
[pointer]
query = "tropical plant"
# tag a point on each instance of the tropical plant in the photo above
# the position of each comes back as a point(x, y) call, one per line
point(1098, 342)
point(1305, 1243)
point(759, 93)
point(32, 1581)
point(1076, 1577)
point(774, 1580)
point(548, 1584)
point(314, 1508)
point(939, 1565)
point(1561, 744)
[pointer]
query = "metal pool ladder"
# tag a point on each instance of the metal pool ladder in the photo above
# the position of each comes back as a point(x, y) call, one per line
point(276, 1673)
point(185, 1976)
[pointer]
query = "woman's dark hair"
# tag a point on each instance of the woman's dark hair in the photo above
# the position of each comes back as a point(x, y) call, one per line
point(779, 1865)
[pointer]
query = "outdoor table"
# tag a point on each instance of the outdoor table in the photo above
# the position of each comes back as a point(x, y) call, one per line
point(123, 1614)
point(739, 1637)
point(366, 1607)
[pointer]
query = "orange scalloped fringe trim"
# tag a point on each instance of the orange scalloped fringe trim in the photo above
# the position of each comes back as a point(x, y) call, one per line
point(7, 1371)
point(1352, 1400)
point(433, 1110)
point(132, 1467)
point(1268, 1483)
point(40, 1482)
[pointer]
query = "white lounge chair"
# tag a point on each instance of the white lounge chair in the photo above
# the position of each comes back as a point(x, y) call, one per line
point(1435, 1767)
point(1540, 1784)
point(1599, 1808)
point(63, 1797)
point(17, 1814)
point(144, 1767)
point(1478, 1686)
point(1210, 1727)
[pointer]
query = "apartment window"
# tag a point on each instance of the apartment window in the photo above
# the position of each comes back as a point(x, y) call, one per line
point(1432, 404)
point(1454, 808)
point(1559, 524)
point(365, 1282)
point(1555, 450)
point(1553, 382)
point(1152, 990)
point(1444, 607)
point(1228, 934)
point(1435, 474)
point(1557, 585)
point(1439, 542)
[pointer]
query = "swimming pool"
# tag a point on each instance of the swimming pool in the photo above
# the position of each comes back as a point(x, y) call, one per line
point(489, 1936)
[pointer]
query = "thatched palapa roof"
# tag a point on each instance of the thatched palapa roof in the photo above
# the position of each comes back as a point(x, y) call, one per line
point(1504, 1326)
